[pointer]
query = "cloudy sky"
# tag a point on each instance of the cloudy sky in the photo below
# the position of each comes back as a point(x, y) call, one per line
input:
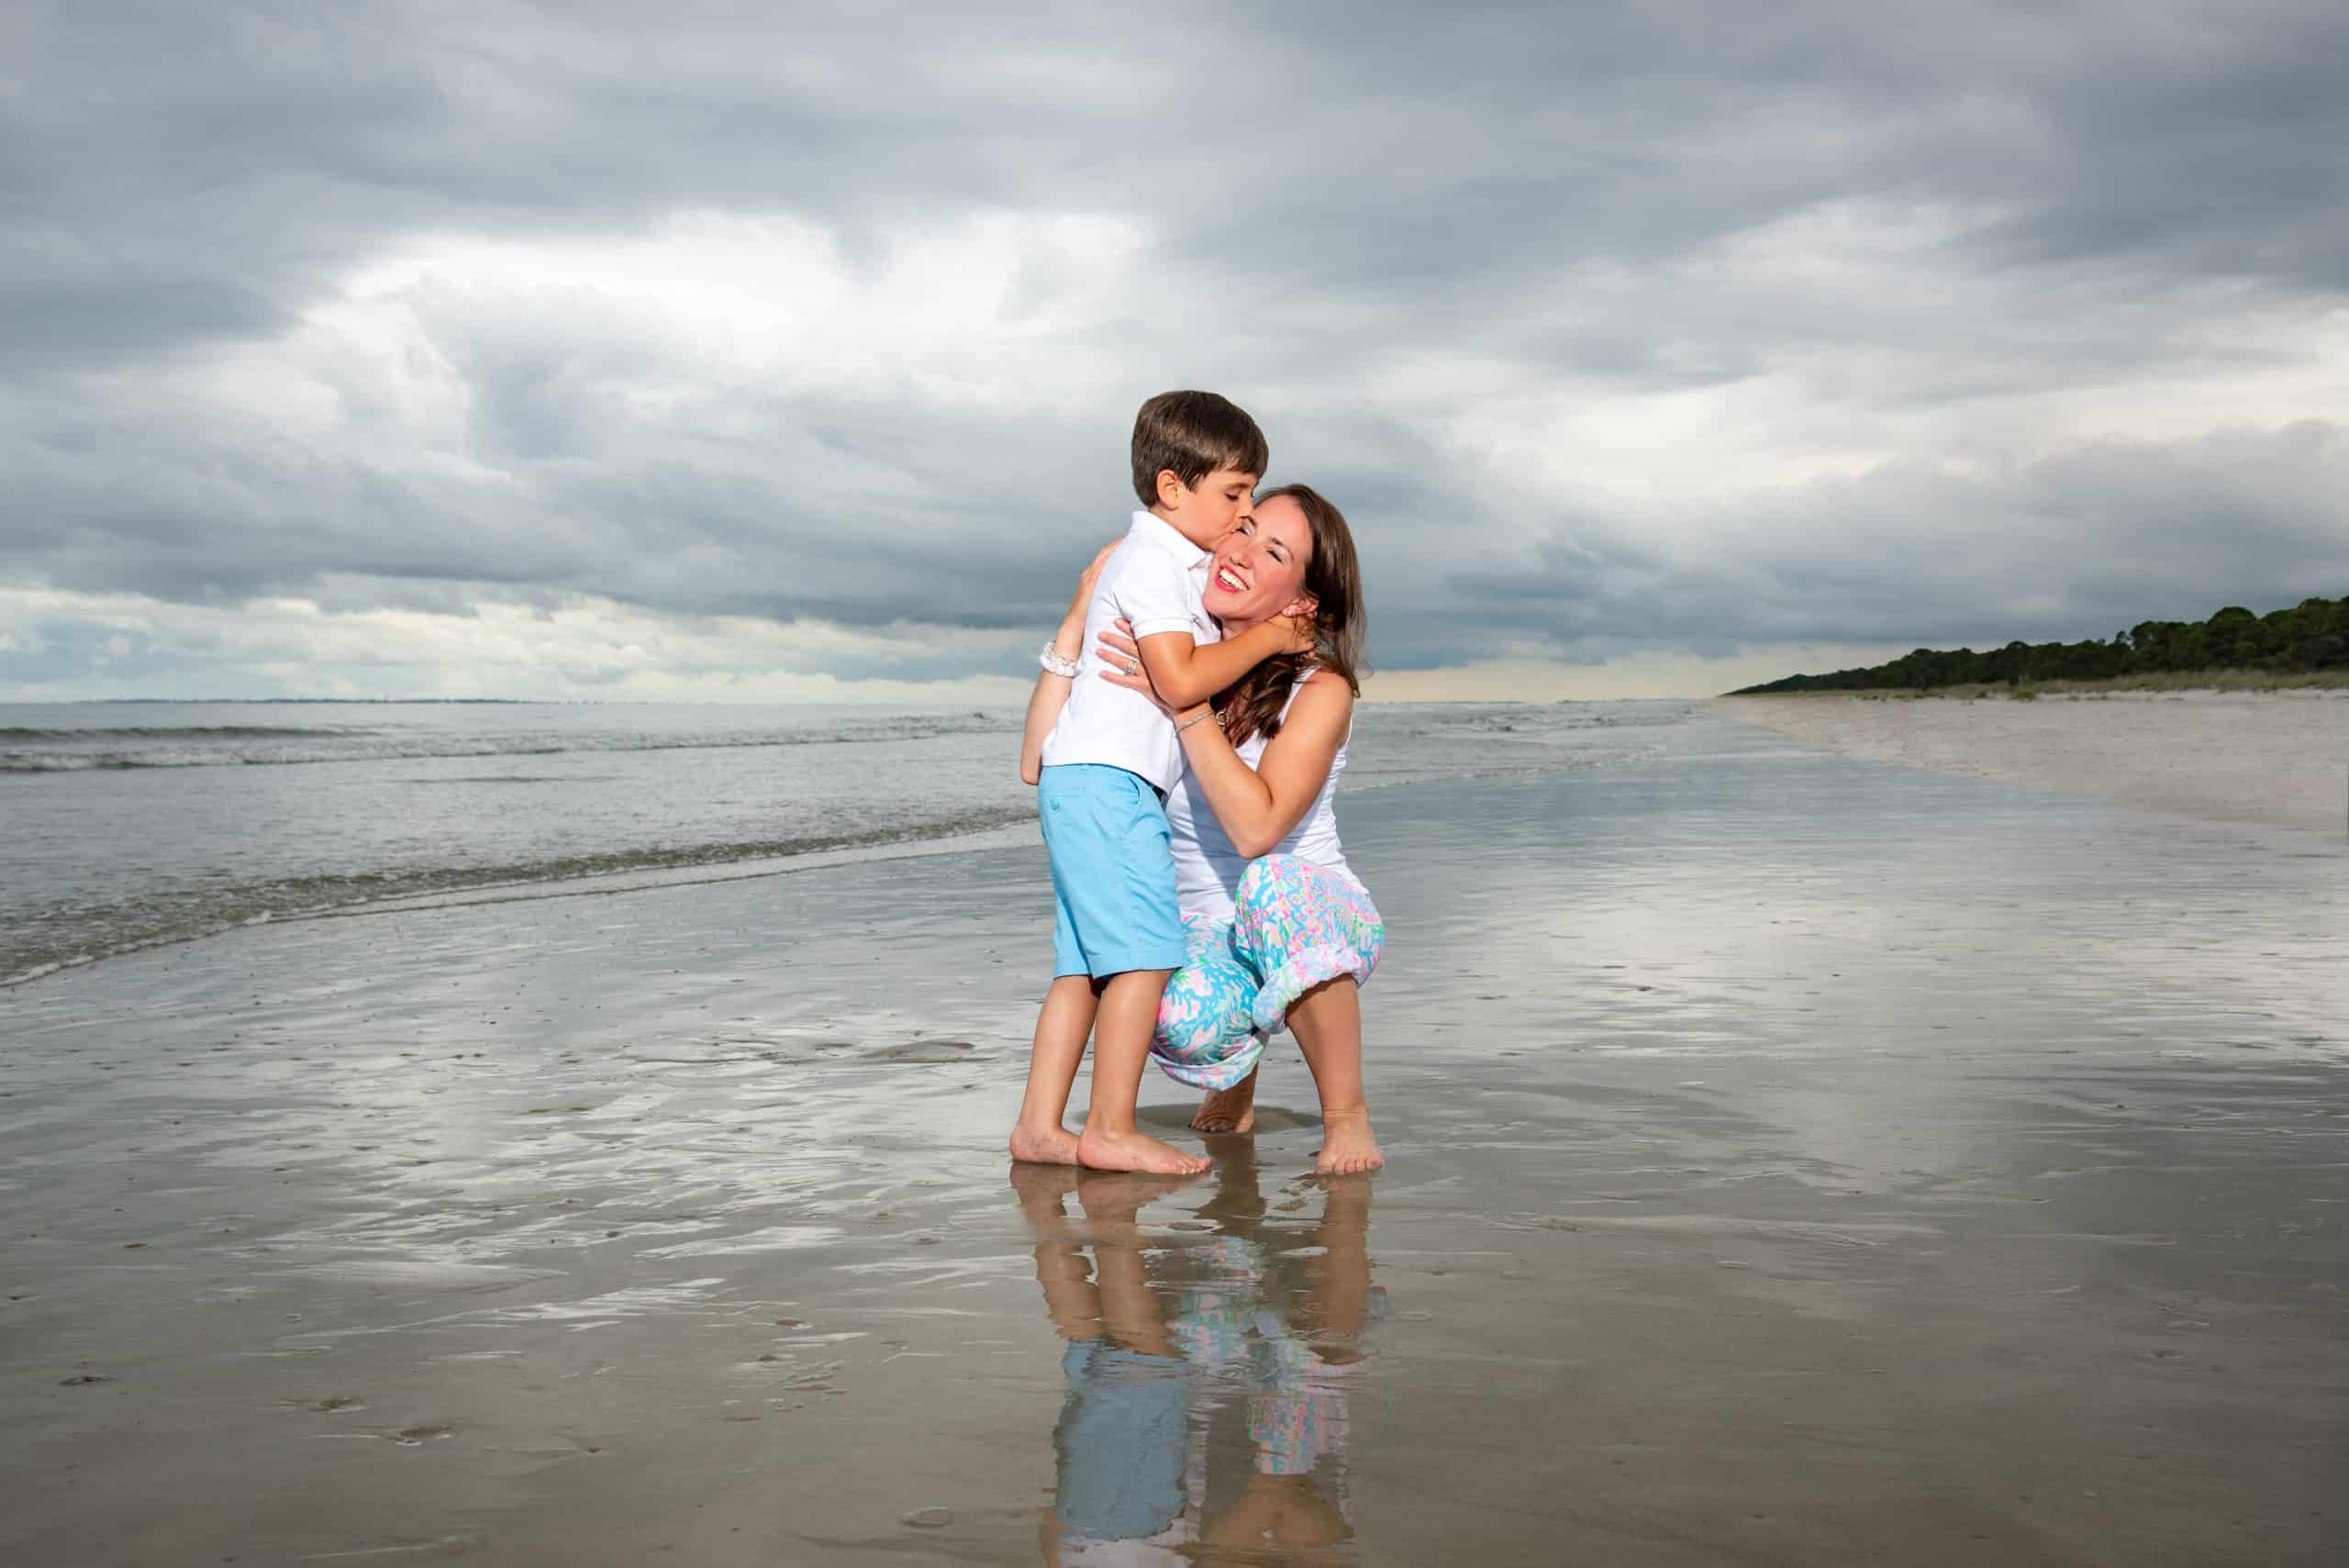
point(743, 352)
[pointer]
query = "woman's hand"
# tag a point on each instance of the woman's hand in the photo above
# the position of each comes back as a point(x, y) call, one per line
point(1118, 647)
point(1068, 642)
point(1122, 664)
point(1089, 579)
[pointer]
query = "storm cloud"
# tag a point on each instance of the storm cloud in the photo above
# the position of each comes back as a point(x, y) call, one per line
point(711, 350)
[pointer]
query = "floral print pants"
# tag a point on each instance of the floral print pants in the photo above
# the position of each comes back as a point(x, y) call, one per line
point(1294, 925)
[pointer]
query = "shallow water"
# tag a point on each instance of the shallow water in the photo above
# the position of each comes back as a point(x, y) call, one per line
point(131, 825)
point(1792, 1160)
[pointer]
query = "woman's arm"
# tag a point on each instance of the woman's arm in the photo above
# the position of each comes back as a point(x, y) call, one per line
point(1044, 704)
point(1259, 805)
point(1051, 696)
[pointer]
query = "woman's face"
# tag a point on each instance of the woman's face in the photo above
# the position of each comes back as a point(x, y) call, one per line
point(1259, 568)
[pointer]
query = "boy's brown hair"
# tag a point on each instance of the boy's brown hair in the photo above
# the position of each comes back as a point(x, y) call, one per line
point(1193, 433)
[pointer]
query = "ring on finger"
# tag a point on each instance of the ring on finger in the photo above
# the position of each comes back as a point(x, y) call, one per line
point(1133, 666)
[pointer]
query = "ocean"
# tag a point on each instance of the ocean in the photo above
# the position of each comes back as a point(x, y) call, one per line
point(1789, 1158)
point(126, 826)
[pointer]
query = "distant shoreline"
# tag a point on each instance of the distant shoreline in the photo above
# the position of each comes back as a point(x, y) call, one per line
point(2262, 755)
point(2170, 681)
point(2310, 637)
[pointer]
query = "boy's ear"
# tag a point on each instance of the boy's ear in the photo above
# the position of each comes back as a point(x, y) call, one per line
point(1170, 489)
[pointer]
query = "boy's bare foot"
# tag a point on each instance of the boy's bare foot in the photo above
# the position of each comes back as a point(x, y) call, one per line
point(1229, 1110)
point(1043, 1145)
point(1101, 1151)
point(1347, 1146)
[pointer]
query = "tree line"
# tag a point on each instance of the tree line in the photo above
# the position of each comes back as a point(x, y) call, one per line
point(2312, 635)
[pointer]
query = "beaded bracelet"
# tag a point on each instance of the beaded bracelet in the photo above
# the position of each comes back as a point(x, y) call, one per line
point(1056, 665)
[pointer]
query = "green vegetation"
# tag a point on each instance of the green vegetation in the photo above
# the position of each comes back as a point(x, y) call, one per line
point(2204, 681)
point(2301, 645)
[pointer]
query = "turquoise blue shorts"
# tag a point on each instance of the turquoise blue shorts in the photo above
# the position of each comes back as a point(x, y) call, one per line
point(1113, 871)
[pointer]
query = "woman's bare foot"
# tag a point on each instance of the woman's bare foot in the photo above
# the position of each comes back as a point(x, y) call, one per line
point(1100, 1151)
point(1229, 1110)
point(1347, 1146)
point(1043, 1145)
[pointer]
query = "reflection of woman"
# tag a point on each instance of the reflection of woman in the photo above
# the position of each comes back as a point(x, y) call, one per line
point(1281, 932)
point(1303, 1302)
point(1147, 1470)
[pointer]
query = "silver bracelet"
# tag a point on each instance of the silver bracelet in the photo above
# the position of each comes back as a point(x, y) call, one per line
point(1189, 722)
point(1055, 664)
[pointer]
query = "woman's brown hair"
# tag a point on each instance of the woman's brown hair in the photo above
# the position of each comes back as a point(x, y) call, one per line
point(1252, 705)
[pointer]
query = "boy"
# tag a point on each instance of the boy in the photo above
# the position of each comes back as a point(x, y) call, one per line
point(1104, 772)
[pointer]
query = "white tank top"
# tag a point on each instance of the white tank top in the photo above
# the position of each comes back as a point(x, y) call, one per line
point(1207, 869)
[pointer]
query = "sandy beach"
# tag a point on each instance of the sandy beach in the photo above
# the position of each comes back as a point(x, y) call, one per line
point(1792, 1160)
point(2272, 757)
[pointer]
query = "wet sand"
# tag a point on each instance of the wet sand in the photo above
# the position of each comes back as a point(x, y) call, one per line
point(2280, 758)
point(1792, 1161)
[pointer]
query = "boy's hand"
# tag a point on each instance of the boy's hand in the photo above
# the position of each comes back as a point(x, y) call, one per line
point(1295, 627)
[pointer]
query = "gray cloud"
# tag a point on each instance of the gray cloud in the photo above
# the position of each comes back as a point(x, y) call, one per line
point(1903, 255)
point(1981, 558)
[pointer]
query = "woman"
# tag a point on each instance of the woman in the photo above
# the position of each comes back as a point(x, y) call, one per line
point(1281, 932)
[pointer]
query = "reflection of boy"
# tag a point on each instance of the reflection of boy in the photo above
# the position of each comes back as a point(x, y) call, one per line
point(1106, 769)
point(1120, 1445)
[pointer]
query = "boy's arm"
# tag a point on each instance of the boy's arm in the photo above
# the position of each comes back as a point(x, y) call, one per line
point(1159, 599)
point(1187, 673)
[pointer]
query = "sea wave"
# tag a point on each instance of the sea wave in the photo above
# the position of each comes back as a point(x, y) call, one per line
point(369, 745)
point(119, 761)
point(28, 953)
point(21, 734)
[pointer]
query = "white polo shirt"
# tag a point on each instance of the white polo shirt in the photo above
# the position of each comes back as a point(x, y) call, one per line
point(1154, 580)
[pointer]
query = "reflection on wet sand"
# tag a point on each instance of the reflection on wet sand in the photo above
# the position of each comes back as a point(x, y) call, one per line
point(1207, 1376)
point(1791, 1162)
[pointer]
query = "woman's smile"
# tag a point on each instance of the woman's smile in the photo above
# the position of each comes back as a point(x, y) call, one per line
point(1260, 565)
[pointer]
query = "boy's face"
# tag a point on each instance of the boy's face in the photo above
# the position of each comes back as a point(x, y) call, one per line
point(1205, 513)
